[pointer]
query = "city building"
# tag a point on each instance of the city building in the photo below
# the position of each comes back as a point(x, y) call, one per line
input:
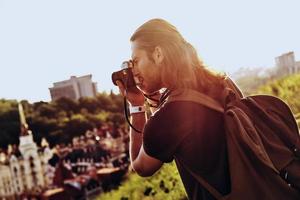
point(297, 65)
point(74, 88)
point(24, 170)
point(6, 182)
point(286, 64)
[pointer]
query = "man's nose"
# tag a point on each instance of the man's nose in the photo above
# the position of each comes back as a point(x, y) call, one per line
point(134, 70)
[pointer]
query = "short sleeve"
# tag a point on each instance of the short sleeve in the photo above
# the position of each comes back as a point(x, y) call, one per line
point(165, 131)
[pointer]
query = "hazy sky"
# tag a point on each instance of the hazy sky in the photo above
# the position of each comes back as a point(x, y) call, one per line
point(45, 41)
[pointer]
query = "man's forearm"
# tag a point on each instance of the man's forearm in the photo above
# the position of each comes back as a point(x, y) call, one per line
point(138, 121)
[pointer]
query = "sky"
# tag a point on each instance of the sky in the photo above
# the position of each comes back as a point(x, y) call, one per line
point(45, 41)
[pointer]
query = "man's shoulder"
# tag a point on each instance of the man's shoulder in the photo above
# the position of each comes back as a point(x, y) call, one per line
point(182, 110)
point(183, 106)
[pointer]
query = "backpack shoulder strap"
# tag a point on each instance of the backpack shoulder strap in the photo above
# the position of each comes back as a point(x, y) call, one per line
point(229, 83)
point(197, 97)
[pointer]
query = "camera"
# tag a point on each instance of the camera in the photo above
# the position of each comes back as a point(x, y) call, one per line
point(125, 76)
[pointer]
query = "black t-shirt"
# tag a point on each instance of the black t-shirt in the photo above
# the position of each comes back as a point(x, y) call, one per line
point(194, 134)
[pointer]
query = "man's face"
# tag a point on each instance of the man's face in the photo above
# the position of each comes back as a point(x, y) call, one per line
point(145, 70)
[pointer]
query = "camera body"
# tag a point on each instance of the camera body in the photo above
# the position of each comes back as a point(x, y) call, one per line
point(125, 75)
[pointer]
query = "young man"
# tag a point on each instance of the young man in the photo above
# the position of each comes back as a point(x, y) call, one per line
point(187, 132)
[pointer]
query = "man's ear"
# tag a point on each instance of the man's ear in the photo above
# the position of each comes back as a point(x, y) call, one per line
point(158, 55)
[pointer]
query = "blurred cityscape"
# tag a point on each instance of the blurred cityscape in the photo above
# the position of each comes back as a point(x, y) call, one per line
point(92, 163)
point(75, 159)
point(250, 78)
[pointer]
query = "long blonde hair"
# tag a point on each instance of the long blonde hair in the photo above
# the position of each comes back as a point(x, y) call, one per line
point(181, 67)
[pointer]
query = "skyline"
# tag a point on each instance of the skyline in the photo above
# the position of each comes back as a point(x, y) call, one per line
point(43, 42)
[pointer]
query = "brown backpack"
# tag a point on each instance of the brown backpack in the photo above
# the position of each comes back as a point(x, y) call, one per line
point(263, 145)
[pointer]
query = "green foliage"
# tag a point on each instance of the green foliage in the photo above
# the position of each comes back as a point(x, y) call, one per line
point(61, 120)
point(9, 122)
point(6, 106)
point(164, 185)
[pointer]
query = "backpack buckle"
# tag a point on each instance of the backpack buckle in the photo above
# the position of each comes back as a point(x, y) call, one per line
point(296, 152)
point(285, 176)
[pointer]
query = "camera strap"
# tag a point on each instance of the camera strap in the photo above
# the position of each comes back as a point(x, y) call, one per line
point(160, 102)
point(127, 116)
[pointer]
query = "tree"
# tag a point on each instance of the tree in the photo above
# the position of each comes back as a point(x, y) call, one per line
point(67, 105)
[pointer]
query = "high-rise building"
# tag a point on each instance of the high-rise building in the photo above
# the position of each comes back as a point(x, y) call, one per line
point(74, 88)
point(297, 66)
point(286, 64)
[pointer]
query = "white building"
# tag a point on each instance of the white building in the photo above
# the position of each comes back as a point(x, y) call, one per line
point(297, 65)
point(286, 64)
point(26, 173)
point(74, 88)
point(6, 183)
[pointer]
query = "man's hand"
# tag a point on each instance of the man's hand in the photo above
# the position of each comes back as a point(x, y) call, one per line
point(134, 96)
